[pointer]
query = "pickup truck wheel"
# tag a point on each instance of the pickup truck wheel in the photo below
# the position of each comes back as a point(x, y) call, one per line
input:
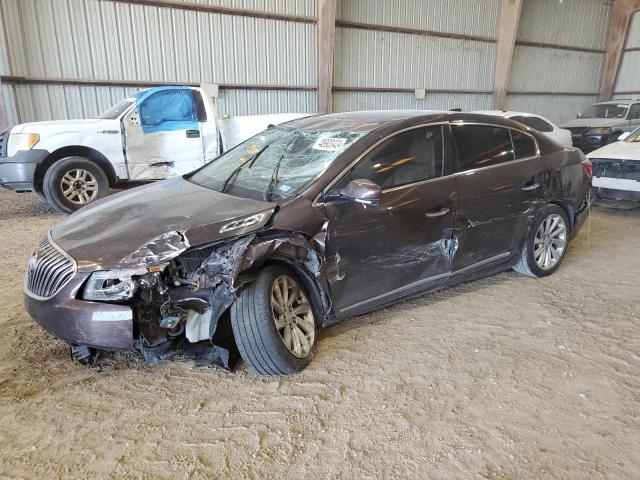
point(73, 182)
point(274, 324)
point(546, 245)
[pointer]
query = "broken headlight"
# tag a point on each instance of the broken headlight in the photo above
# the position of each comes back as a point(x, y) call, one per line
point(110, 286)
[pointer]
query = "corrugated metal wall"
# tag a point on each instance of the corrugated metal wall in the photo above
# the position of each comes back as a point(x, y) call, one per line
point(392, 60)
point(106, 40)
point(544, 69)
point(100, 39)
point(579, 23)
point(628, 79)
point(477, 17)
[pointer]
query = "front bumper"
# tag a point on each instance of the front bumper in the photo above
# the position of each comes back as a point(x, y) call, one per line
point(99, 325)
point(18, 171)
point(589, 142)
point(616, 179)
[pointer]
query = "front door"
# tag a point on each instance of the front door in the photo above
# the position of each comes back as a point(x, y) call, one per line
point(163, 136)
point(500, 179)
point(376, 254)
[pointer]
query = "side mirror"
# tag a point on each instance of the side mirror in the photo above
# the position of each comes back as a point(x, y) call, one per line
point(579, 115)
point(362, 191)
point(624, 136)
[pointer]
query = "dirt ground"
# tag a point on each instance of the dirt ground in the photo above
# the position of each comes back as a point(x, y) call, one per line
point(507, 377)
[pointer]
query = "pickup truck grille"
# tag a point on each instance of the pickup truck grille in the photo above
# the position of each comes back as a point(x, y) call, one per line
point(578, 130)
point(4, 139)
point(49, 269)
point(611, 168)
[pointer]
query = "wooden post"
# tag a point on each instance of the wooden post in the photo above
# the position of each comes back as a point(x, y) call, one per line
point(507, 31)
point(326, 40)
point(621, 13)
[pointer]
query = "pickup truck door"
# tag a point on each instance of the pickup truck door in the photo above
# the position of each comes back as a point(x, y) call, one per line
point(163, 134)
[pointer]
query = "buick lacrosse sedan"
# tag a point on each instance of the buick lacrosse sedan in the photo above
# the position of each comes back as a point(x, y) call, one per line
point(303, 225)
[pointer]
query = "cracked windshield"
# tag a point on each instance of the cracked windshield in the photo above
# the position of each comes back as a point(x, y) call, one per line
point(275, 165)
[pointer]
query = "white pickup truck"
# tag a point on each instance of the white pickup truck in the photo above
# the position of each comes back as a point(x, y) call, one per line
point(154, 134)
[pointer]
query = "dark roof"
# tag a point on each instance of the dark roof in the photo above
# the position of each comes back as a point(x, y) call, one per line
point(363, 121)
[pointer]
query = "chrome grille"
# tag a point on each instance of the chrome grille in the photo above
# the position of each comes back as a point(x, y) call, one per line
point(49, 269)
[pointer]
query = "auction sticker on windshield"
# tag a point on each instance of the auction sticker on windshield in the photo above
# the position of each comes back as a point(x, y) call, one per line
point(330, 144)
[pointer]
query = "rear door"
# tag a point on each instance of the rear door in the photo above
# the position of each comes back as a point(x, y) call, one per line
point(163, 134)
point(379, 253)
point(500, 179)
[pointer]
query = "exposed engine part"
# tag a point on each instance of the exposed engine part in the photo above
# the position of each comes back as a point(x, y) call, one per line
point(198, 325)
point(187, 300)
point(170, 317)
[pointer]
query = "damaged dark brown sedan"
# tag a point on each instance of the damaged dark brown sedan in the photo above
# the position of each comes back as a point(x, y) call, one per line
point(303, 225)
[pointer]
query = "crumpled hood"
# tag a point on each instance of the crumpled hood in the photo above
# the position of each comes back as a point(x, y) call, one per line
point(168, 215)
point(593, 122)
point(618, 151)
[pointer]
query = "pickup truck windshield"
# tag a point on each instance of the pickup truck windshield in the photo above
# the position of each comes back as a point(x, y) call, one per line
point(117, 110)
point(276, 164)
point(606, 111)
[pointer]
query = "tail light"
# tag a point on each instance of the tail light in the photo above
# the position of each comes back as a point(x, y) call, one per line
point(588, 169)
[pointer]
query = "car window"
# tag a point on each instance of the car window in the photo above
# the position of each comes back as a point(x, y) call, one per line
point(117, 110)
point(606, 110)
point(534, 122)
point(172, 109)
point(634, 111)
point(405, 158)
point(481, 145)
point(634, 137)
point(523, 145)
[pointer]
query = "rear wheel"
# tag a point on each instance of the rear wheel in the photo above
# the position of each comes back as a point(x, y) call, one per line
point(546, 244)
point(274, 324)
point(74, 182)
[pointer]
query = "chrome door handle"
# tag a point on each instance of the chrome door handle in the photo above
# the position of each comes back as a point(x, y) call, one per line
point(531, 186)
point(437, 213)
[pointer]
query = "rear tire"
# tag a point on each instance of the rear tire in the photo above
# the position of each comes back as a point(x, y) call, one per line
point(73, 182)
point(549, 233)
point(260, 333)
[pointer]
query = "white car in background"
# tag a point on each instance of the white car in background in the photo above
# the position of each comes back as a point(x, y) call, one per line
point(537, 122)
point(616, 168)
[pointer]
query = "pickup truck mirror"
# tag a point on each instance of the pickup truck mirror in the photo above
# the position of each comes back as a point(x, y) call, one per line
point(624, 136)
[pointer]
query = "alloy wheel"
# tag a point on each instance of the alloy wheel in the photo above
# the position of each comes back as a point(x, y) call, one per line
point(293, 316)
point(550, 241)
point(79, 186)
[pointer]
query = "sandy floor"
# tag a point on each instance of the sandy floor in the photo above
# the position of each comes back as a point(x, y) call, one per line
point(508, 377)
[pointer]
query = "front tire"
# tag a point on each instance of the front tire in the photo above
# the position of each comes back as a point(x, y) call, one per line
point(274, 323)
point(546, 245)
point(74, 182)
